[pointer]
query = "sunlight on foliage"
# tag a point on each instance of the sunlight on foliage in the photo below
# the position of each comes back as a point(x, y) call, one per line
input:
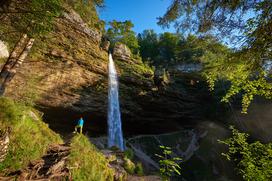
point(25, 125)
point(169, 165)
point(244, 26)
point(253, 160)
point(86, 162)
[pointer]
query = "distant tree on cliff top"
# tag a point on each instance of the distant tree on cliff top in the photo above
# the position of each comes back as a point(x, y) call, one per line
point(148, 41)
point(245, 24)
point(159, 49)
point(168, 43)
point(122, 32)
point(171, 49)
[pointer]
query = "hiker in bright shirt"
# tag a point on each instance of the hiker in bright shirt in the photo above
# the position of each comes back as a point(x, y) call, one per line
point(79, 125)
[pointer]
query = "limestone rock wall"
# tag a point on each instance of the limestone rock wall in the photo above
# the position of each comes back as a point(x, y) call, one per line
point(81, 26)
point(65, 76)
point(121, 52)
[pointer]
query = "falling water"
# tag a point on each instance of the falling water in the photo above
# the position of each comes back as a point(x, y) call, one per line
point(115, 137)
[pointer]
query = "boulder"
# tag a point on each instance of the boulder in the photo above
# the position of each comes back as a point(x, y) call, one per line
point(122, 52)
point(105, 44)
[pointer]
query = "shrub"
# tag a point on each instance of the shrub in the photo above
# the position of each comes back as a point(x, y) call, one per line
point(253, 160)
point(139, 170)
point(168, 164)
point(129, 153)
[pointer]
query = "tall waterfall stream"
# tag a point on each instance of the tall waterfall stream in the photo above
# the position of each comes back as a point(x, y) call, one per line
point(115, 135)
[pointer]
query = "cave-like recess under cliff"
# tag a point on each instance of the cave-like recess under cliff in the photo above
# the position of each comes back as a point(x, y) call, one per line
point(65, 75)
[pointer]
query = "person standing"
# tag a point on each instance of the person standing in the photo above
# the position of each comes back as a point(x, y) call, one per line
point(79, 125)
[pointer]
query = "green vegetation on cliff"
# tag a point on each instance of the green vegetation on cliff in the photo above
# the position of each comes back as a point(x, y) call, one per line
point(86, 163)
point(254, 160)
point(29, 135)
point(122, 32)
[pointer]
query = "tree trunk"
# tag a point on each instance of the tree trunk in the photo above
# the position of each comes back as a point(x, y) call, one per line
point(16, 58)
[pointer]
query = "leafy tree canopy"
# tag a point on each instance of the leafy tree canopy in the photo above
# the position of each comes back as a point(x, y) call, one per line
point(148, 41)
point(168, 43)
point(172, 48)
point(249, 23)
point(159, 49)
point(122, 32)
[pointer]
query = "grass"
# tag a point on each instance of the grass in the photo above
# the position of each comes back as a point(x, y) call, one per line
point(86, 163)
point(29, 136)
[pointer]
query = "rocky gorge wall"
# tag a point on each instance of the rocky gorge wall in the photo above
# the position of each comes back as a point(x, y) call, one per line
point(65, 76)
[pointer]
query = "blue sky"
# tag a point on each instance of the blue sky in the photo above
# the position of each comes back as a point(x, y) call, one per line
point(142, 13)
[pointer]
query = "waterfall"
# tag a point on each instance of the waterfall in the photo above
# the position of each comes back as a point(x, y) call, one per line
point(115, 135)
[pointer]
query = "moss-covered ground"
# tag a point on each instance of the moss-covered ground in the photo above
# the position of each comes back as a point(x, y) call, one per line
point(86, 162)
point(29, 137)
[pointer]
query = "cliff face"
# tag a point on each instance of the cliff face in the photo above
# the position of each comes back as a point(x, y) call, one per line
point(65, 75)
point(66, 72)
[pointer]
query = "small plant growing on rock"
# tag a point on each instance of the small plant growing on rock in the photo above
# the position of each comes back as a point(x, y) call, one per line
point(129, 153)
point(129, 166)
point(253, 159)
point(139, 170)
point(168, 164)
